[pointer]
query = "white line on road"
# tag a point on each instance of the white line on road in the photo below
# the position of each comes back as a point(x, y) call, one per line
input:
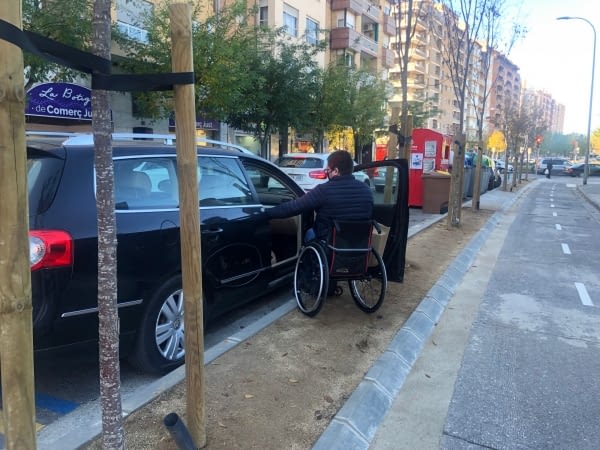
point(566, 249)
point(558, 227)
point(571, 185)
point(554, 214)
point(583, 294)
point(551, 205)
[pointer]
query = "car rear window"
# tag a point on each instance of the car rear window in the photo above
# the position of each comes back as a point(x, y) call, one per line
point(300, 162)
point(44, 171)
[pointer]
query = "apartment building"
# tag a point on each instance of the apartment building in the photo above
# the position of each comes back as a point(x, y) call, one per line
point(428, 79)
point(506, 90)
point(551, 113)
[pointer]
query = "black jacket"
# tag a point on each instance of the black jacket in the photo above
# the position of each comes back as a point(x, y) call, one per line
point(341, 198)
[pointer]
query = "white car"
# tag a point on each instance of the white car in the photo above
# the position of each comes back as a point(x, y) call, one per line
point(500, 166)
point(308, 169)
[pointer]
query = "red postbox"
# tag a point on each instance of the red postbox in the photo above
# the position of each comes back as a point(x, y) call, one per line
point(430, 150)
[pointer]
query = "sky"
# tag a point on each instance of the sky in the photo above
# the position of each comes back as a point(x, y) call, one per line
point(556, 56)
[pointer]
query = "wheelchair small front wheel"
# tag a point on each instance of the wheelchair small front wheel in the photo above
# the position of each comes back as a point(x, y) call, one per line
point(368, 291)
point(311, 279)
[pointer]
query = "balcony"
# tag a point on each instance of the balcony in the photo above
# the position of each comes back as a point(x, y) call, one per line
point(387, 57)
point(418, 67)
point(389, 25)
point(361, 7)
point(342, 38)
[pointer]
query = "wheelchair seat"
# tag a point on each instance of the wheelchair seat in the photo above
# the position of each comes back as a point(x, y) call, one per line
point(349, 248)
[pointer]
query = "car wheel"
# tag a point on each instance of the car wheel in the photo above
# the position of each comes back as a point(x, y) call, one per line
point(160, 341)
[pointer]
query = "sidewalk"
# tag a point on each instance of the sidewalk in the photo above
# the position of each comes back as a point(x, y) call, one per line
point(424, 349)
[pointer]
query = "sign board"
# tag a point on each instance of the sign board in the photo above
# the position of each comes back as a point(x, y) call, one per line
point(59, 101)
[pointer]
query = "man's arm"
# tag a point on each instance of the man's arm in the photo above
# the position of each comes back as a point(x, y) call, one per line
point(308, 202)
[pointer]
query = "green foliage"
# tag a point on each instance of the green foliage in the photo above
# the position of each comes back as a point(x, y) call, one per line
point(66, 21)
point(421, 111)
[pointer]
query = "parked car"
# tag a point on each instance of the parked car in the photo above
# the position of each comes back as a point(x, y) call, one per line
point(500, 166)
point(576, 170)
point(558, 165)
point(243, 257)
point(379, 179)
point(308, 169)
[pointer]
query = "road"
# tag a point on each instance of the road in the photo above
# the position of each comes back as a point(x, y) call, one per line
point(514, 362)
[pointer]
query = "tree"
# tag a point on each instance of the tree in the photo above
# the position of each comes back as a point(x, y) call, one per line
point(463, 20)
point(283, 78)
point(364, 98)
point(595, 138)
point(110, 379)
point(407, 15)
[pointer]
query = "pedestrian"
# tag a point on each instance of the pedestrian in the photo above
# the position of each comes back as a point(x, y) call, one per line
point(549, 168)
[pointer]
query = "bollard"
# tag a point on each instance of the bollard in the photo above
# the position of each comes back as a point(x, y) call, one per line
point(179, 432)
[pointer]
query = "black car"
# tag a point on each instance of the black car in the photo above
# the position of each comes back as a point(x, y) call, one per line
point(242, 257)
point(576, 170)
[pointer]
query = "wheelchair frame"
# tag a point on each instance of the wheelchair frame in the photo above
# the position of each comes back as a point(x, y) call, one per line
point(347, 255)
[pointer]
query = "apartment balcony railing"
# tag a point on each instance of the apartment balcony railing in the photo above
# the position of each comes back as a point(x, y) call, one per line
point(342, 38)
point(387, 57)
point(362, 7)
point(416, 67)
point(389, 25)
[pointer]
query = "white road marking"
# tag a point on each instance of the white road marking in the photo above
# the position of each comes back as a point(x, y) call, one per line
point(583, 294)
point(558, 227)
point(554, 214)
point(571, 185)
point(565, 248)
point(551, 205)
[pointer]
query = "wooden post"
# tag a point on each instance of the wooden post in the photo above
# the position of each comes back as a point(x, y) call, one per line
point(407, 133)
point(456, 182)
point(16, 335)
point(392, 153)
point(187, 168)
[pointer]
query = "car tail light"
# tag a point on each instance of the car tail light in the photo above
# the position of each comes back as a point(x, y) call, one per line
point(50, 248)
point(318, 174)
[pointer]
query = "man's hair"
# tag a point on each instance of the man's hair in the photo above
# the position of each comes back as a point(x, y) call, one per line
point(342, 161)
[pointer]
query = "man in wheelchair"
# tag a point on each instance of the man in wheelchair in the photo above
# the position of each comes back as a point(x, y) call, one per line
point(341, 198)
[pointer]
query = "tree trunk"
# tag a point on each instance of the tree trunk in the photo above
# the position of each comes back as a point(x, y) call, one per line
point(110, 377)
point(456, 183)
point(16, 341)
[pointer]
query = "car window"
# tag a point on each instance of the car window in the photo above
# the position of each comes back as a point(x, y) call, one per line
point(143, 183)
point(43, 177)
point(300, 162)
point(222, 182)
point(271, 187)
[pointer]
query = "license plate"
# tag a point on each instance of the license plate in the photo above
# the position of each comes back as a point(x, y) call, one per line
point(297, 177)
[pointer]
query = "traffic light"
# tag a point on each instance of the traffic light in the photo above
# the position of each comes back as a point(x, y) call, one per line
point(538, 140)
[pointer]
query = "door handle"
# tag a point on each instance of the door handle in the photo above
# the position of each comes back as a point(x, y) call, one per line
point(212, 231)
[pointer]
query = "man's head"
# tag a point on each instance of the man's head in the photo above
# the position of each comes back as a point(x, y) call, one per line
point(340, 163)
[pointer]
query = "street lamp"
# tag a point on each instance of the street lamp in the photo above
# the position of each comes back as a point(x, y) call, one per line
point(586, 169)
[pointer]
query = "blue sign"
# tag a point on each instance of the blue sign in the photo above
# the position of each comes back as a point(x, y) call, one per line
point(202, 123)
point(60, 101)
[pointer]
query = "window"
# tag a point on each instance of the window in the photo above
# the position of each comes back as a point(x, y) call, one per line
point(290, 20)
point(263, 16)
point(145, 183)
point(222, 182)
point(312, 31)
point(131, 15)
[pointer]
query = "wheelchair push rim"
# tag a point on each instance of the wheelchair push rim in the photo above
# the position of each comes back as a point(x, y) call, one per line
point(369, 290)
point(311, 280)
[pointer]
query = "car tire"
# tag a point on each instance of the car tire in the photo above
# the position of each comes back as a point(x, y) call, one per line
point(159, 346)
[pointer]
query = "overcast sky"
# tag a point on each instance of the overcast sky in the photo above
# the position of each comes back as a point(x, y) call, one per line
point(556, 56)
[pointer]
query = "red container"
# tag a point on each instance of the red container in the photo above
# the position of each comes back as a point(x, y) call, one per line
point(430, 151)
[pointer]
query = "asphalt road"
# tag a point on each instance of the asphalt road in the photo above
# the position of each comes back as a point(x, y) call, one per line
point(514, 360)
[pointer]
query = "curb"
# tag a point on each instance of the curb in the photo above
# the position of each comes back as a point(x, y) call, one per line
point(356, 423)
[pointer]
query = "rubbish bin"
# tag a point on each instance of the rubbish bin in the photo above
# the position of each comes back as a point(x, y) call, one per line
point(436, 190)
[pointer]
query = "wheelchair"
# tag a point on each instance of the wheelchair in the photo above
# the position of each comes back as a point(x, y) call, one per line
point(347, 255)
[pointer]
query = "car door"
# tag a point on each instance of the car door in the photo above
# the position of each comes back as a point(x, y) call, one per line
point(273, 187)
point(235, 246)
point(390, 209)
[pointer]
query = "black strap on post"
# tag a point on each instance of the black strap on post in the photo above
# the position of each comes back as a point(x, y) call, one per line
point(99, 68)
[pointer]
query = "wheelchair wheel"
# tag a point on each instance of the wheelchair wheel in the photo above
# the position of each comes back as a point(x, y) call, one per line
point(368, 291)
point(311, 279)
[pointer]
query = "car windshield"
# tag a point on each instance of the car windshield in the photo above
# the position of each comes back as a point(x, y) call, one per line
point(300, 162)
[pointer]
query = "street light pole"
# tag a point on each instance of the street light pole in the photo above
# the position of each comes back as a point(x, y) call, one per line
point(586, 169)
